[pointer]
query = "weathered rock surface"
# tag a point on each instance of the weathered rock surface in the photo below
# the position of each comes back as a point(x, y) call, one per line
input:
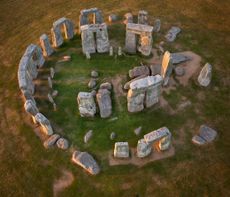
point(92, 83)
point(166, 67)
point(94, 74)
point(179, 71)
point(50, 82)
point(205, 75)
point(138, 71)
point(51, 141)
point(172, 34)
point(121, 150)
point(104, 103)
point(157, 25)
point(30, 107)
point(45, 45)
point(138, 130)
point(198, 140)
point(143, 17)
point(86, 161)
point(143, 148)
point(45, 123)
point(86, 104)
point(52, 72)
point(155, 69)
point(128, 18)
point(88, 136)
point(106, 85)
point(178, 58)
point(62, 143)
point(54, 93)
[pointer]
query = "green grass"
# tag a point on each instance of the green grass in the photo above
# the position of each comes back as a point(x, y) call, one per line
point(28, 169)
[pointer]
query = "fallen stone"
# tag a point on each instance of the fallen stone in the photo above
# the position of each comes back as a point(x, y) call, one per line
point(50, 83)
point(172, 34)
point(62, 143)
point(104, 103)
point(143, 148)
point(92, 83)
point(112, 17)
point(51, 141)
point(155, 69)
point(54, 93)
point(113, 119)
point(86, 104)
point(88, 136)
point(67, 57)
point(137, 131)
point(127, 84)
point(112, 135)
point(178, 58)
point(106, 85)
point(179, 71)
point(94, 74)
point(86, 161)
point(156, 135)
point(138, 71)
point(121, 150)
point(207, 133)
point(198, 140)
point(205, 75)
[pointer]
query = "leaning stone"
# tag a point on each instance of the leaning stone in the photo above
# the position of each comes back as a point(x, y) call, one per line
point(178, 58)
point(138, 71)
point(51, 141)
point(157, 25)
point(104, 103)
point(172, 34)
point(207, 133)
point(106, 85)
point(198, 140)
point(205, 75)
point(54, 93)
point(112, 17)
point(94, 74)
point(93, 92)
point(179, 71)
point(88, 136)
point(137, 131)
point(92, 83)
point(86, 104)
point(143, 148)
point(112, 136)
point(166, 67)
point(45, 123)
point(121, 150)
point(86, 161)
point(62, 143)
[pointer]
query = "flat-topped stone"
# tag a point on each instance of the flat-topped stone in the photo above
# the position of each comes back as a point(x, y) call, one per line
point(143, 148)
point(121, 150)
point(207, 133)
point(156, 135)
point(86, 104)
point(45, 123)
point(104, 102)
point(138, 71)
point(137, 28)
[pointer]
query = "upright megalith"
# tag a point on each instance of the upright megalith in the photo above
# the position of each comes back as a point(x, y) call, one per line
point(104, 103)
point(30, 107)
point(86, 104)
point(121, 150)
point(84, 16)
point(128, 18)
point(166, 67)
point(145, 39)
point(144, 92)
point(143, 17)
point(56, 31)
point(45, 45)
point(45, 123)
point(157, 25)
point(205, 75)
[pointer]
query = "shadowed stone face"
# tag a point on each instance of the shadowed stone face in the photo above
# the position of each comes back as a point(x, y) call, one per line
point(30, 107)
point(166, 67)
point(104, 103)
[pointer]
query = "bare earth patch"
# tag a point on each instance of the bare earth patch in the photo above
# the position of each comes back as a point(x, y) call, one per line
point(65, 181)
point(154, 156)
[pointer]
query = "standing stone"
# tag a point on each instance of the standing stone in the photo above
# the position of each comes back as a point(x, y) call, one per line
point(87, 54)
point(51, 141)
point(50, 98)
point(137, 131)
point(172, 34)
point(112, 136)
point(52, 72)
point(157, 25)
point(62, 143)
point(102, 39)
point(143, 17)
point(88, 136)
point(128, 18)
point(119, 52)
point(205, 75)
point(104, 103)
point(94, 74)
point(138, 71)
point(46, 46)
point(106, 85)
point(110, 51)
point(143, 148)
point(45, 123)
point(54, 93)
point(86, 104)
point(166, 67)
point(30, 107)
point(121, 150)
point(57, 38)
point(50, 83)
point(86, 161)
point(92, 83)
point(165, 142)
point(88, 40)
point(68, 29)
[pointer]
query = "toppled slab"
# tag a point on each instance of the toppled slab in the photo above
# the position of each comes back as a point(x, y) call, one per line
point(86, 104)
point(205, 75)
point(138, 71)
point(104, 103)
point(51, 141)
point(178, 58)
point(86, 161)
point(172, 33)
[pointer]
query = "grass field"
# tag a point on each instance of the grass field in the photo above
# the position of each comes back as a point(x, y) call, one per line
point(27, 169)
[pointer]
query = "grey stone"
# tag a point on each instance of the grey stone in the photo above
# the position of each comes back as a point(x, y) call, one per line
point(97, 14)
point(104, 103)
point(52, 72)
point(165, 142)
point(128, 18)
point(86, 104)
point(88, 136)
point(178, 58)
point(127, 84)
point(62, 143)
point(106, 85)
point(86, 161)
point(172, 33)
point(143, 148)
point(145, 41)
point(198, 140)
point(143, 17)
point(155, 69)
point(94, 74)
point(30, 107)
point(45, 45)
point(110, 51)
point(54, 93)
point(179, 71)
point(138, 130)
point(112, 17)
point(119, 52)
point(112, 136)
point(51, 141)
point(207, 133)
point(166, 67)
point(92, 83)
point(45, 123)
point(121, 150)
point(156, 135)
point(205, 75)
point(157, 25)
point(138, 71)
point(50, 83)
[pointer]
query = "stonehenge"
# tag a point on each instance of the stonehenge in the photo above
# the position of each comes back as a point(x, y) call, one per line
point(45, 45)
point(145, 38)
point(104, 103)
point(97, 16)
point(56, 31)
